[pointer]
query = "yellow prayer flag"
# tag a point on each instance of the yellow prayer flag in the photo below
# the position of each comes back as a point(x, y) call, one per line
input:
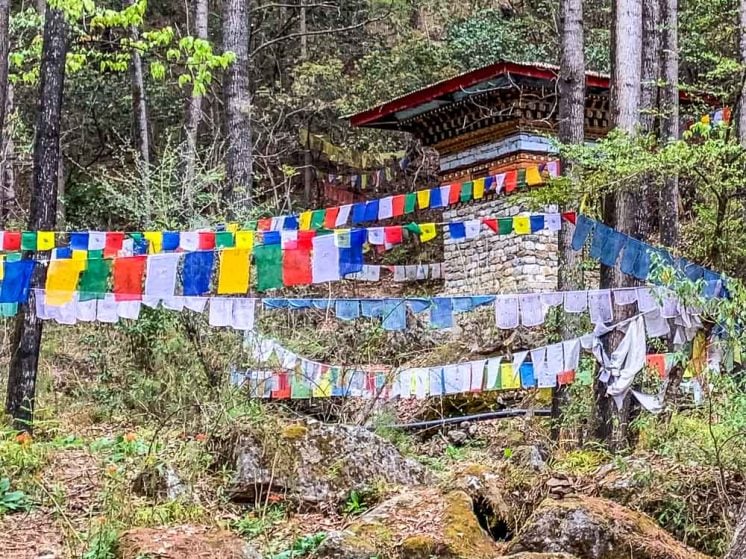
point(509, 380)
point(522, 224)
point(427, 232)
point(533, 176)
point(155, 241)
point(245, 239)
point(234, 271)
point(232, 227)
point(2, 266)
point(478, 189)
point(323, 387)
point(45, 240)
point(304, 221)
point(80, 255)
point(62, 279)
point(423, 199)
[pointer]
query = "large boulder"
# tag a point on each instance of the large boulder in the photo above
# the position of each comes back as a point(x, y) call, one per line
point(419, 523)
point(593, 528)
point(318, 464)
point(184, 542)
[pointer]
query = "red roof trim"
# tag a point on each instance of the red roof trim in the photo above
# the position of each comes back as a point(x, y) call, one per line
point(463, 81)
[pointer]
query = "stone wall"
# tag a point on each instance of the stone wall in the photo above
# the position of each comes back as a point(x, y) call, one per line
point(494, 264)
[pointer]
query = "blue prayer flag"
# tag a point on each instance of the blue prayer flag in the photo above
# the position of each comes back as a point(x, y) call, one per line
point(435, 198)
point(358, 213)
point(537, 223)
point(170, 240)
point(16, 281)
point(441, 313)
point(583, 228)
point(457, 230)
point(79, 241)
point(198, 272)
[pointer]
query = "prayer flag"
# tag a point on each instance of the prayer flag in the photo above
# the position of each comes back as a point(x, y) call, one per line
point(435, 199)
point(351, 257)
point(454, 195)
point(95, 279)
point(268, 259)
point(62, 279)
point(491, 223)
point(28, 240)
point(296, 262)
point(467, 191)
point(189, 241)
point(325, 261)
point(304, 221)
point(290, 222)
point(233, 278)
point(155, 241)
point(224, 239)
point(245, 239)
point(330, 219)
point(16, 279)
point(160, 277)
point(371, 210)
point(344, 215)
point(527, 375)
point(394, 235)
point(457, 230)
point(505, 225)
point(511, 181)
point(79, 255)
point(386, 208)
point(479, 188)
point(569, 216)
point(12, 241)
point(45, 240)
point(427, 232)
point(522, 224)
point(264, 224)
point(232, 227)
point(128, 275)
point(537, 223)
point(410, 200)
point(522, 178)
point(397, 205)
point(114, 241)
point(509, 380)
point(413, 228)
point(533, 176)
point(170, 240)
point(317, 219)
point(423, 199)
point(198, 272)
point(206, 240)
point(79, 241)
point(358, 213)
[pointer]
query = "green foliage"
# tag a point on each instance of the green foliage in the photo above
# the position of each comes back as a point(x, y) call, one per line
point(12, 501)
point(259, 522)
point(103, 543)
point(302, 547)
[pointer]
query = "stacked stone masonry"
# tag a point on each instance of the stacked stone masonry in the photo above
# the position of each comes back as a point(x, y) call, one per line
point(498, 264)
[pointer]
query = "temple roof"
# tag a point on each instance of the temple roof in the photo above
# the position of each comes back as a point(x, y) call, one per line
point(391, 114)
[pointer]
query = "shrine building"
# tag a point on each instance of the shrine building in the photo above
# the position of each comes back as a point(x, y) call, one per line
point(487, 121)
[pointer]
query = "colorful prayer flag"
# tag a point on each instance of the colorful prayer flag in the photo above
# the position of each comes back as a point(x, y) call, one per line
point(522, 224)
point(233, 278)
point(427, 232)
point(423, 199)
point(155, 241)
point(268, 259)
point(62, 280)
point(128, 275)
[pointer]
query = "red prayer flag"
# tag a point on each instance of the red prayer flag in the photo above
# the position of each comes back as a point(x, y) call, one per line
point(397, 205)
point(394, 235)
point(283, 386)
point(206, 240)
point(657, 361)
point(330, 220)
point(296, 266)
point(128, 274)
point(511, 181)
point(490, 222)
point(305, 240)
point(12, 240)
point(114, 241)
point(454, 196)
point(566, 377)
point(264, 224)
point(569, 216)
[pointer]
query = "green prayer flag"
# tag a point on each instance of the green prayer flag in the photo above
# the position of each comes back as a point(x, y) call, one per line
point(94, 254)
point(28, 240)
point(224, 239)
point(317, 219)
point(250, 225)
point(522, 178)
point(505, 225)
point(467, 191)
point(301, 387)
point(13, 257)
point(268, 259)
point(8, 309)
point(137, 237)
point(94, 281)
point(410, 201)
point(583, 376)
point(413, 228)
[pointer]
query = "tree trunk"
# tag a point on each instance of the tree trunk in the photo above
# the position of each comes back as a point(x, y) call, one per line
point(139, 102)
point(571, 131)
point(7, 156)
point(237, 101)
point(669, 201)
point(26, 339)
point(742, 56)
point(620, 207)
point(194, 103)
point(738, 545)
point(307, 160)
point(4, 98)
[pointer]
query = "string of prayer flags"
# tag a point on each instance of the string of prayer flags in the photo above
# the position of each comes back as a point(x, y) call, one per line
point(638, 258)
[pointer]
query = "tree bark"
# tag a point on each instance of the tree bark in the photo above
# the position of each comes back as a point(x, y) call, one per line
point(307, 160)
point(571, 131)
point(742, 56)
point(237, 192)
point(669, 132)
point(620, 207)
point(139, 102)
point(7, 156)
point(5, 94)
point(738, 545)
point(194, 103)
point(26, 339)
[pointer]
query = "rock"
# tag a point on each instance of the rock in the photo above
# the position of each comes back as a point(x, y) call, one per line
point(540, 556)
point(318, 463)
point(184, 542)
point(159, 483)
point(420, 523)
point(593, 528)
point(456, 436)
point(529, 456)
